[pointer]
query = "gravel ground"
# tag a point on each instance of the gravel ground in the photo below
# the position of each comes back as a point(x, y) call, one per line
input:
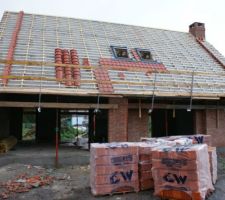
point(72, 181)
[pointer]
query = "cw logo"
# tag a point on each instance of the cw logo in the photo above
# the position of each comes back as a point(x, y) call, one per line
point(173, 178)
point(115, 177)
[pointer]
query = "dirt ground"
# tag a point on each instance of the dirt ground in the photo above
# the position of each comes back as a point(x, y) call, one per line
point(71, 179)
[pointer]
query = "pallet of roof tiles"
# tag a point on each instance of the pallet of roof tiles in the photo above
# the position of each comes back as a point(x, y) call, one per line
point(114, 168)
point(7, 144)
point(182, 170)
point(213, 163)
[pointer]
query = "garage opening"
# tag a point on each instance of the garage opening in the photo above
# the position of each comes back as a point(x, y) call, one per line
point(172, 122)
point(76, 126)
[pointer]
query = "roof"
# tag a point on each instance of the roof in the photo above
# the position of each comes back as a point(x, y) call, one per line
point(179, 52)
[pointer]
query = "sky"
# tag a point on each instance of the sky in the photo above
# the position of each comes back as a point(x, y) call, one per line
point(174, 15)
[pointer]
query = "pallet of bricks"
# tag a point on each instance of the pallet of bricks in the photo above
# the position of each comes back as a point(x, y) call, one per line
point(181, 143)
point(146, 181)
point(114, 168)
point(182, 172)
point(177, 167)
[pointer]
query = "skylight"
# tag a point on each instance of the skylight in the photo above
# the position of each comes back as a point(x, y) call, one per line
point(120, 52)
point(144, 54)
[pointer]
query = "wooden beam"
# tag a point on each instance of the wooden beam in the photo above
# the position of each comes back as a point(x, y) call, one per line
point(88, 92)
point(18, 104)
point(52, 64)
point(174, 106)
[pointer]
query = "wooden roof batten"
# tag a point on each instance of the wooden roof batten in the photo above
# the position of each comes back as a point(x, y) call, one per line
point(93, 81)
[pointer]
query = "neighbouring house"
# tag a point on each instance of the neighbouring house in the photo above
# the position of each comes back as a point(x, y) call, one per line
point(127, 81)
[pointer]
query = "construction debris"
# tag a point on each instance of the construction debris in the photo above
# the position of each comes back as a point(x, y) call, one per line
point(24, 182)
point(7, 144)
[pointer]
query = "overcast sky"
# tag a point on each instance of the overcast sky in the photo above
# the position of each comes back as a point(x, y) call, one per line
point(166, 14)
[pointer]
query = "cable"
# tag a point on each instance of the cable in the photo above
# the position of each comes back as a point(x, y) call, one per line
point(191, 95)
point(153, 95)
point(39, 96)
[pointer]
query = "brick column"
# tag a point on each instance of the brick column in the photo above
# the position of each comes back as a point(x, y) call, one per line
point(137, 127)
point(215, 126)
point(118, 119)
point(200, 122)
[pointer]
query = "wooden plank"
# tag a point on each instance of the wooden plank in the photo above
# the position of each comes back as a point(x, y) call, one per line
point(57, 105)
point(51, 64)
point(94, 92)
point(175, 106)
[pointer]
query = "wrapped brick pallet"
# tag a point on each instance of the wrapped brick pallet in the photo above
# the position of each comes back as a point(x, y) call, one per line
point(196, 139)
point(213, 163)
point(145, 164)
point(182, 172)
point(114, 168)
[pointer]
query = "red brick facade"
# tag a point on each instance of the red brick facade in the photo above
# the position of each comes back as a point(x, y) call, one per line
point(137, 127)
point(117, 122)
point(211, 122)
point(124, 124)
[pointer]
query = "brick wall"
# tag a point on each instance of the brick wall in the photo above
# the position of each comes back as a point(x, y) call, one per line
point(200, 122)
point(118, 118)
point(211, 122)
point(215, 126)
point(137, 127)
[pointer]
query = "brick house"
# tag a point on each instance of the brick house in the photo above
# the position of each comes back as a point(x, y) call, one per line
point(144, 81)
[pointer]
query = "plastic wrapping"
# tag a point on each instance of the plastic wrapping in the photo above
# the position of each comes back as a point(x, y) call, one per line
point(145, 163)
point(114, 168)
point(181, 171)
point(213, 163)
point(180, 139)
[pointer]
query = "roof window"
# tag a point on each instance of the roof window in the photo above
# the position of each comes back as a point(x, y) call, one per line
point(120, 52)
point(144, 54)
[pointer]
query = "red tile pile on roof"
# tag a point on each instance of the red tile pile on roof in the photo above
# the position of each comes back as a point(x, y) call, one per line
point(121, 75)
point(135, 55)
point(125, 64)
point(68, 70)
point(76, 71)
point(71, 74)
point(58, 59)
point(12, 46)
point(103, 80)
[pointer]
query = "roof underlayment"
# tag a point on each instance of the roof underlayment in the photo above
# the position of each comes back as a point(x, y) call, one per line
point(39, 36)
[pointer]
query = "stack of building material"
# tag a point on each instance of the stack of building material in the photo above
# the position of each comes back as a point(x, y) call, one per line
point(181, 172)
point(114, 168)
point(213, 163)
point(145, 164)
point(196, 139)
point(7, 144)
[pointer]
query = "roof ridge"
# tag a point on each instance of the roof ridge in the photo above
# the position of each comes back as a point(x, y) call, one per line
point(116, 23)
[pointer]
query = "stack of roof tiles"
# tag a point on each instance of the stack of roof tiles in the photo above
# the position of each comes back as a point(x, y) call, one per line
point(182, 172)
point(114, 168)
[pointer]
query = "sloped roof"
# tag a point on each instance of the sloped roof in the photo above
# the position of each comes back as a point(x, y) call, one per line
point(179, 52)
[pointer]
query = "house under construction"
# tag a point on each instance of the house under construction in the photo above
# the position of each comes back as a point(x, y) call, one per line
point(126, 81)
